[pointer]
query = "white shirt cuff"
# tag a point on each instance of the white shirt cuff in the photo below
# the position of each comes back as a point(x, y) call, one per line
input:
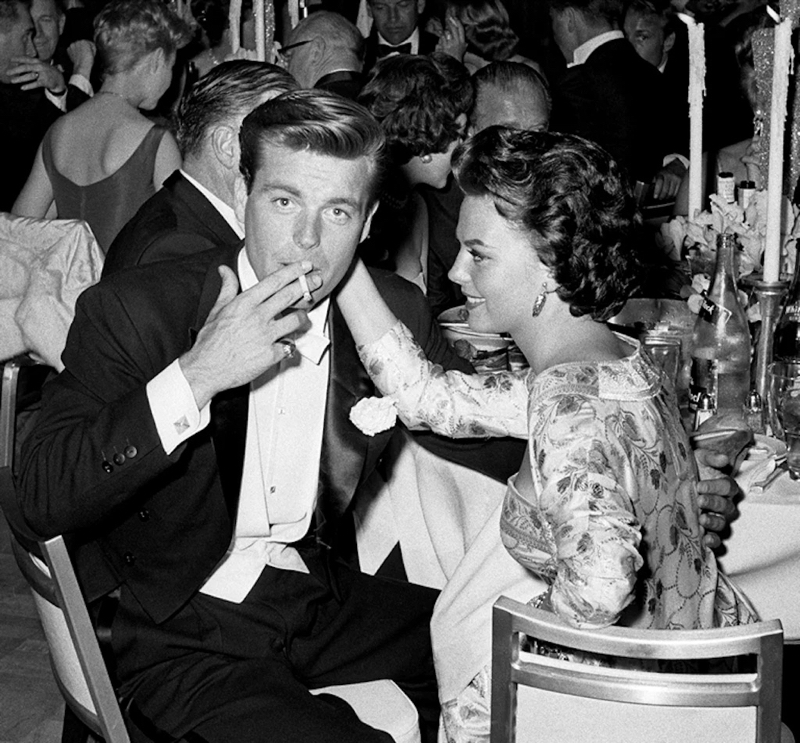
point(174, 409)
point(59, 101)
point(675, 156)
point(81, 83)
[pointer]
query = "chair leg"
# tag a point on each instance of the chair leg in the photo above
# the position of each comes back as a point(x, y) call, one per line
point(74, 731)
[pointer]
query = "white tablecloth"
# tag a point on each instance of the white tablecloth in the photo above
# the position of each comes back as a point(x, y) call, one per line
point(763, 552)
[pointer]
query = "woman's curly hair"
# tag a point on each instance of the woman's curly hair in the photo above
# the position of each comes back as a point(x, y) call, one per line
point(487, 28)
point(571, 197)
point(418, 100)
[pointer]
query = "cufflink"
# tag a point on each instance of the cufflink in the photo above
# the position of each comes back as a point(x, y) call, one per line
point(181, 425)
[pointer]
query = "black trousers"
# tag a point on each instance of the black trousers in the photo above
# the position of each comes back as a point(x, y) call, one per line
point(241, 672)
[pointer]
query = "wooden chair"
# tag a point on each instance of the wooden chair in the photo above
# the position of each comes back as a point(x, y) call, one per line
point(75, 655)
point(548, 700)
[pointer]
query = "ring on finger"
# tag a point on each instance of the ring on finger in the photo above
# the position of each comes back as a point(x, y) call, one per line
point(35, 75)
point(289, 347)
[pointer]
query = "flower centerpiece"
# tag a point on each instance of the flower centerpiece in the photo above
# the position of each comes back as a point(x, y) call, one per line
point(696, 240)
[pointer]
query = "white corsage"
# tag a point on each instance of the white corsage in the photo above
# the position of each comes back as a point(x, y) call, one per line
point(374, 414)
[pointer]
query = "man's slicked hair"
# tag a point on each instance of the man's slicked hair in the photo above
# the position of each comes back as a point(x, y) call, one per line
point(514, 78)
point(227, 91)
point(315, 121)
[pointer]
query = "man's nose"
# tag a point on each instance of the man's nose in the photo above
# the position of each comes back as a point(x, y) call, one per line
point(394, 13)
point(307, 232)
point(30, 48)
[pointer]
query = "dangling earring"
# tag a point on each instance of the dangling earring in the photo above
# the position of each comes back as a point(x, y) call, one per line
point(538, 303)
point(426, 158)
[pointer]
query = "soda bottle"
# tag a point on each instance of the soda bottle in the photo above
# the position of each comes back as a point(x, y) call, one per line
point(720, 349)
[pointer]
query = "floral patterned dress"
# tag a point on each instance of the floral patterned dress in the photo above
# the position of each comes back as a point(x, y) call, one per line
point(612, 522)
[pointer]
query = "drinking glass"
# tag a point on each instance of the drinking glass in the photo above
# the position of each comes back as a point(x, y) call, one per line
point(665, 350)
point(785, 401)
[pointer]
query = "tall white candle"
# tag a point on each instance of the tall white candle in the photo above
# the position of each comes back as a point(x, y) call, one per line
point(697, 88)
point(261, 44)
point(235, 24)
point(777, 122)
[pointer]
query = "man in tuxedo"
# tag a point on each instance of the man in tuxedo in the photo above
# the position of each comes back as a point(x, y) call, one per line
point(26, 112)
point(198, 451)
point(326, 51)
point(610, 95)
point(396, 30)
point(194, 211)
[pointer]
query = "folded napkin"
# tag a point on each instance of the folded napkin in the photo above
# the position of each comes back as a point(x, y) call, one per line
point(754, 474)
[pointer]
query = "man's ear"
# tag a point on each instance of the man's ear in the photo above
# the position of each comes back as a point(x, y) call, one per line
point(225, 145)
point(669, 42)
point(239, 197)
point(462, 124)
point(368, 222)
point(62, 22)
point(420, 7)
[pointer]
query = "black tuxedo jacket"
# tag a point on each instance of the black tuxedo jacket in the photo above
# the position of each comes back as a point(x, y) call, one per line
point(427, 44)
point(616, 99)
point(176, 221)
point(347, 83)
point(95, 468)
point(25, 116)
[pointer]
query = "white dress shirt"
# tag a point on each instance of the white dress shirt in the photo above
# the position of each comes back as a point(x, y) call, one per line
point(413, 40)
point(282, 452)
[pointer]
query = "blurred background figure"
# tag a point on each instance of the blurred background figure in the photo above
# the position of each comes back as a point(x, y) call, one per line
point(422, 104)
point(26, 112)
point(396, 30)
point(488, 33)
point(102, 161)
point(49, 19)
point(326, 51)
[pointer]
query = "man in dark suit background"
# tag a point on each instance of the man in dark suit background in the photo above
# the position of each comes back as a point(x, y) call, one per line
point(197, 448)
point(193, 211)
point(610, 95)
point(396, 30)
point(26, 112)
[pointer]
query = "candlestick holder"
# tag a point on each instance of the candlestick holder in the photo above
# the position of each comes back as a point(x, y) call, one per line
point(770, 295)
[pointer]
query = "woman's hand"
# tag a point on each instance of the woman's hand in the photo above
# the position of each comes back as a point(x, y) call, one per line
point(453, 40)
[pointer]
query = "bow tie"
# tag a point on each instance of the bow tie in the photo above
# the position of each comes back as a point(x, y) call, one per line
point(384, 49)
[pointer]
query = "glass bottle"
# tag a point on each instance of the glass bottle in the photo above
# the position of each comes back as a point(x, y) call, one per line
point(720, 348)
point(786, 343)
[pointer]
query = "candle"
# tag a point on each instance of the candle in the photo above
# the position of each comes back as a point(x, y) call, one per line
point(235, 24)
point(261, 45)
point(697, 88)
point(777, 121)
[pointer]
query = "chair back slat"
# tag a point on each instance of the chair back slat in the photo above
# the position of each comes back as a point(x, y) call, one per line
point(538, 698)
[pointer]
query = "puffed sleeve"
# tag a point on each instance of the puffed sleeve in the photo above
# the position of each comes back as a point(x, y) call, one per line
point(450, 403)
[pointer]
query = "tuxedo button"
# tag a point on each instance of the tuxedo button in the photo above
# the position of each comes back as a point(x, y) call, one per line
point(119, 458)
point(144, 515)
point(107, 466)
point(131, 451)
point(130, 558)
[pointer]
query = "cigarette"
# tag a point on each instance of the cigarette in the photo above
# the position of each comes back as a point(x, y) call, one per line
point(304, 286)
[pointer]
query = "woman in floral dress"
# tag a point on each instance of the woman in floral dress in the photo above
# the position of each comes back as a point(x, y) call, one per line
point(604, 506)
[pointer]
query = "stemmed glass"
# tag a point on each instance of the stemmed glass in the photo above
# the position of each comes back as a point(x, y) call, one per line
point(785, 404)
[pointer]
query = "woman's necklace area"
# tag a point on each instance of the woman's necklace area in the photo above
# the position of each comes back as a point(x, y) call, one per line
point(115, 95)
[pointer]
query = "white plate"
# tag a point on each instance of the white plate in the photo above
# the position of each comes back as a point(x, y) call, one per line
point(765, 447)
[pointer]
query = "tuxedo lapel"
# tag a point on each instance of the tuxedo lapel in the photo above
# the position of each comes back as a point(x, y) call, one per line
point(348, 455)
point(202, 214)
point(228, 425)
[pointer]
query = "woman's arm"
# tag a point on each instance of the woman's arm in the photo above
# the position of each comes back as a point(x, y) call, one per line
point(36, 198)
point(168, 160)
point(449, 403)
point(588, 510)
